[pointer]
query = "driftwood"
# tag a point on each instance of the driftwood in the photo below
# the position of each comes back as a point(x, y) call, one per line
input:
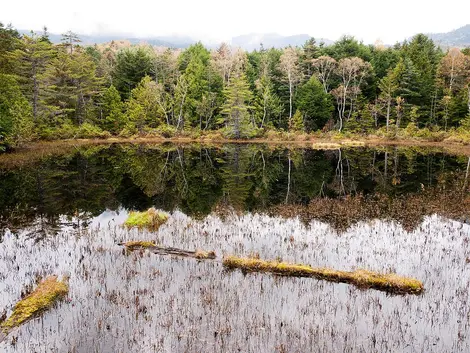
point(197, 254)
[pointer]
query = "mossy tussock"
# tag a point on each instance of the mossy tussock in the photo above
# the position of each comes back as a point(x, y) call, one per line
point(48, 292)
point(389, 282)
point(139, 244)
point(150, 219)
point(160, 250)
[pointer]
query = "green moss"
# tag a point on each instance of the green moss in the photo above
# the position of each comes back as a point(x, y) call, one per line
point(43, 297)
point(361, 278)
point(150, 219)
point(137, 244)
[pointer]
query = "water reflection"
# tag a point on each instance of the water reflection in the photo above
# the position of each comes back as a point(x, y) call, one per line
point(143, 302)
point(400, 210)
point(199, 180)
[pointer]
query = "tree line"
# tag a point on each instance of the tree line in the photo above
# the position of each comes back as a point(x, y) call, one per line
point(69, 90)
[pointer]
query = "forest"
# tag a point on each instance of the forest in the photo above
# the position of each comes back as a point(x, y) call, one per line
point(62, 91)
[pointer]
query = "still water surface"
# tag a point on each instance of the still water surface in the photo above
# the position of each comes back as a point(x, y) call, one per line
point(400, 210)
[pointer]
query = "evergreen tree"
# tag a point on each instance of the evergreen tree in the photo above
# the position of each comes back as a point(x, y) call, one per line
point(71, 85)
point(236, 108)
point(15, 113)
point(132, 65)
point(9, 42)
point(297, 122)
point(113, 111)
point(33, 56)
point(315, 105)
point(142, 107)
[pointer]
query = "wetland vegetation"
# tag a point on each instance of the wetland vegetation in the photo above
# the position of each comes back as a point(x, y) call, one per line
point(75, 210)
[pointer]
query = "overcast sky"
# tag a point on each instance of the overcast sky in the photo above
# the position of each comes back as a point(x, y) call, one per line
point(369, 20)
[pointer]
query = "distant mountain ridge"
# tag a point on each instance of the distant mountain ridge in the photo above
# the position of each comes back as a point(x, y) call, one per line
point(459, 37)
point(160, 41)
point(253, 41)
point(248, 42)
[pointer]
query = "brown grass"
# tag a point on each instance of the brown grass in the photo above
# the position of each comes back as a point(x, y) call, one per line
point(389, 282)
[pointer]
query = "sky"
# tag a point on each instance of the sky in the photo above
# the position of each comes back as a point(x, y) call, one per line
point(219, 20)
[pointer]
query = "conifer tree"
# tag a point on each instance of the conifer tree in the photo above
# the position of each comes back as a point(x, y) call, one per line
point(236, 108)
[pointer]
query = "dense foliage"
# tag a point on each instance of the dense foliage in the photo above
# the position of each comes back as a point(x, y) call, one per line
point(71, 91)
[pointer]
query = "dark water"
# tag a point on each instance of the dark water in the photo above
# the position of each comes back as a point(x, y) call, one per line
point(399, 210)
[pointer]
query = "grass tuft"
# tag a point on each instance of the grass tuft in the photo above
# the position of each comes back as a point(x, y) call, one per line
point(150, 219)
point(389, 282)
point(201, 254)
point(43, 297)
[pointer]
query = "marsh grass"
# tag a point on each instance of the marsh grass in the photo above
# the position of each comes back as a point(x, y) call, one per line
point(389, 282)
point(42, 298)
point(150, 219)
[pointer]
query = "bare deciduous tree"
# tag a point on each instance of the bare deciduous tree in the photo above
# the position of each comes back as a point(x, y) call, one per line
point(351, 71)
point(289, 64)
point(228, 62)
point(324, 67)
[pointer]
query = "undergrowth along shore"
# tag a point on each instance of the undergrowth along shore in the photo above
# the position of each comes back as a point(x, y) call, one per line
point(389, 282)
point(451, 141)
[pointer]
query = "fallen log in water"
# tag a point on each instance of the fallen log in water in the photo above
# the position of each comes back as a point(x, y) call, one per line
point(47, 293)
point(389, 282)
point(197, 254)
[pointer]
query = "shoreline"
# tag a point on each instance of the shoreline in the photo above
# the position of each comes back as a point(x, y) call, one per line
point(311, 142)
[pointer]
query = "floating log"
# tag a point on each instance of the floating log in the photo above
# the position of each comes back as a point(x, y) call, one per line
point(388, 282)
point(197, 254)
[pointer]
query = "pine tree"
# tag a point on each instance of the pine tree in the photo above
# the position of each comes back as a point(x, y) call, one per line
point(113, 111)
point(15, 113)
point(71, 85)
point(297, 122)
point(142, 107)
point(33, 56)
point(236, 108)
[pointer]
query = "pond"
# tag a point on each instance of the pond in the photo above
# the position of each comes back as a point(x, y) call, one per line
point(390, 209)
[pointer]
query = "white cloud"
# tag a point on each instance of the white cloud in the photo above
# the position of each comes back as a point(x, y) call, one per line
point(205, 19)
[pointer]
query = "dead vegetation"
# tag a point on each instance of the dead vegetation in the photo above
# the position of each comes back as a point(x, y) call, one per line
point(409, 209)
